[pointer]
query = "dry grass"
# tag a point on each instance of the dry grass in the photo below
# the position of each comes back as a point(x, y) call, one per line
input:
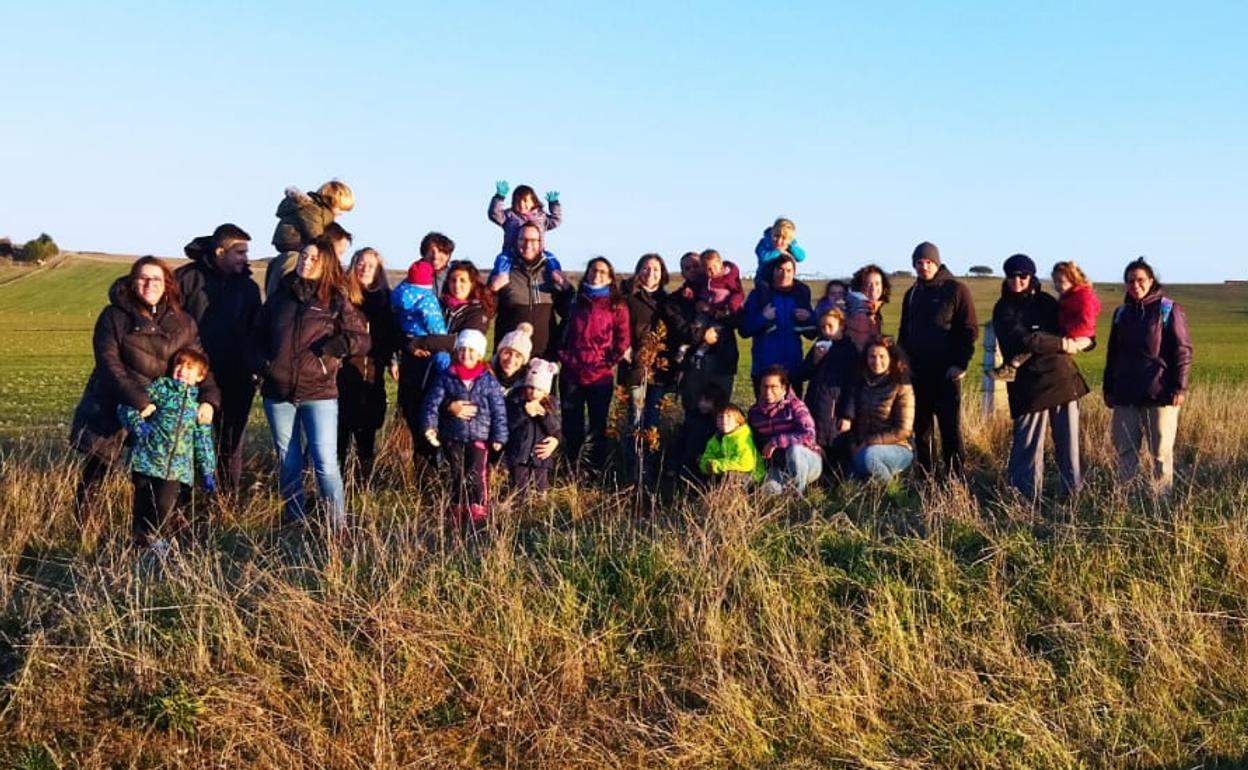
point(938, 626)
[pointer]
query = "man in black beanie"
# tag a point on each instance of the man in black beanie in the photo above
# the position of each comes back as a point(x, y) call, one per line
point(938, 333)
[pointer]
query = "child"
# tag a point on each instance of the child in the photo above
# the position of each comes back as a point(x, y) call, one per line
point(731, 453)
point(828, 370)
point(466, 443)
point(417, 309)
point(302, 217)
point(833, 297)
point(525, 209)
point(780, 238)
point(718, 297)
point(1077, 309)
point(698, 429)
point(169, 442)
point(532, 417)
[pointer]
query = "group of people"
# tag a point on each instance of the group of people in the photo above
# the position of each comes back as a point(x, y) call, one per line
point(180, 355)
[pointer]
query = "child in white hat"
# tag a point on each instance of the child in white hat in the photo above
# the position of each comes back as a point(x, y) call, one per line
point(532, 417)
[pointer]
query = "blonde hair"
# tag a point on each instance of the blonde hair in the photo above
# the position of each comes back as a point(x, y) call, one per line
point(784, 225)
point(338, 195)
point(355, 289)
point(834, 312)
point(1072, 272)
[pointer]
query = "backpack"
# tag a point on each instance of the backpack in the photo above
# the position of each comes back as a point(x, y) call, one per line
point(1167, 307)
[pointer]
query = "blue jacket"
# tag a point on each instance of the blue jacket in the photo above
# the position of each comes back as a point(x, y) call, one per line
point(175, 441)
point(419, 314)
point(490, 422)
point(778, 341)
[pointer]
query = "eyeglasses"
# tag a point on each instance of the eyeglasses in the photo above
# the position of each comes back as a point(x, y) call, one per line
point(1016, 276)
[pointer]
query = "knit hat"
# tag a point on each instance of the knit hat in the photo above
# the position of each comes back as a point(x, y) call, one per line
point(925, 250)
point(1019, 263)
point(519, 339)
point(472, 340)
point(420, 273)
point(541, 374)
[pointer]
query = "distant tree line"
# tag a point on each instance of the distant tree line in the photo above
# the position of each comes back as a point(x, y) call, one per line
point(37, 250)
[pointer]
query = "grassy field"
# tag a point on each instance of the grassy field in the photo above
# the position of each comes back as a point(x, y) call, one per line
point(936, 625)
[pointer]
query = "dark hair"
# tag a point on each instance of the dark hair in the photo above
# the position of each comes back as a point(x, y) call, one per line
point(663, 274)
point(172, 296)
point(436, 240)
point(336, 232)
point(835, 282)
point(615, 296)
point(898, 368)
point(697, 259)
point(775, 370)
point(226, 234)
point(189, 356)
point(1139, 264)
point(859, 279)
point(780, 260)
point(479, 293)
point(523, 191)
point(332, 280)
point(714, 393)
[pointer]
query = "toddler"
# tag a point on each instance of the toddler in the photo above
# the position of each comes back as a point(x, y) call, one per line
point(780, 238)
point(417, 309)
point(532, 417)
point(834, 295)
point(731, 452)
point(525, 209)
point(302, 217)
point(1077, 309)
point(718, 296)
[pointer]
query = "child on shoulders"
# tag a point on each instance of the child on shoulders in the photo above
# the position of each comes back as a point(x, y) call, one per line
point(525, 209)
point(302, 217)
point(780, 238)
point(417, 309)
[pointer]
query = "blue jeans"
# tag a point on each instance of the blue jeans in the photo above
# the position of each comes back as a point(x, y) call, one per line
point(882, 461)
point(310, 426)
point(799, 465)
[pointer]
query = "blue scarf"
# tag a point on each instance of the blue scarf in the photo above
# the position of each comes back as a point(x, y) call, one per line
point(594, 292)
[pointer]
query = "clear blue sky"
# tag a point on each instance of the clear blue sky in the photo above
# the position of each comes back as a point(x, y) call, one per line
point(1093, 132)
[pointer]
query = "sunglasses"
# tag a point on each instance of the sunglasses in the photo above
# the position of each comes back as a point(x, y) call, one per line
point(1016, 276)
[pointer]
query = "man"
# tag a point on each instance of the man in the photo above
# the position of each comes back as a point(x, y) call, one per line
point(285, 263)
point(219, 293)
point(530, 295)
point(436, 249)
point(938, 333)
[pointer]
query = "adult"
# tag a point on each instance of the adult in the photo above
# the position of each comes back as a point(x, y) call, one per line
point(217, 290)
point(1046, 390)
point(881, 413)
point(466, 304)
point(776, 316)
point(869, 291)
point(531, 296)
point(135, 337)
point(510, 364)
point(718, 366)
point(303, 333)
point(596, 339)
point(284, 264)
point(362, 378)
point(1146, 375)
point(938, 333)
point(437, 249)
point(784, 432)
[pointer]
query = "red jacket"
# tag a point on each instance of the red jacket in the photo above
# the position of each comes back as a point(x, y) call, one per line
point(596, 339)
point(1077, 310)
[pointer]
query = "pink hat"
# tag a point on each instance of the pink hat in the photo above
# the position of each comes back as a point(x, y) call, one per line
point(420, 273)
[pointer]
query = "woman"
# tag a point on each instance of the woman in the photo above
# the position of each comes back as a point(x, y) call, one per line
point(304, 332)
point(1146, 375)
point(869, 291)
point(777, 316)
point(361, 380)
point(135, 337)
point(1047, 387)
point(466, 304)
point(784, 433)
point(882, 414)
point(595, 341)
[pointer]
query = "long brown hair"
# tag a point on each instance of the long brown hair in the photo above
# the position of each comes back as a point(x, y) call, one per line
point(898, 369)
point(172, 296)
point(479, 294)
point(355, 289)
point(332, 280)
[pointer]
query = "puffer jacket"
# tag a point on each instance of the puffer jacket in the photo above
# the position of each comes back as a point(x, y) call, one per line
point(783, 424)
point(938, 325)
point(1049, 378)
point(1077, 310)
point(645, 310)
point(132, 348)
point(826, 382)
point(417, 313)
point(524, 433)
point(530, 295)
point(302, 217)
point(299, 344)
point(483, 390)
point(732, 453)
point(176, 443)
point(1149, 360)
point(224, 308)
point(882, 410)
point(778, 341)
point(596, 339)
point(512, 221)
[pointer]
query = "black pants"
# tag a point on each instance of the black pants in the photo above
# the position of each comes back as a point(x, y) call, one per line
point(154, 503)
point(938, 403)
point(526, 478)
point(365, 440)
point(594, 398)
point(230, 423)
point(413, 382)
point(468, 461)
point(94, 469)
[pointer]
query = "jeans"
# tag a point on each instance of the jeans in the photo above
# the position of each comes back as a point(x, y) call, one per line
point(312, 425)
point(1131, 424)
point(797, 464)
point(882, 461)
point(1026, 464)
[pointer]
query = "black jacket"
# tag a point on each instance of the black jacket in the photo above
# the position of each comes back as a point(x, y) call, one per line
point(938, 325)
point(524, 433)
point(418, 370)
point(645, 308)
point(225, 309)
point(1050, 377)
point(531, 296)
point(828, 381)
point(1150, 352)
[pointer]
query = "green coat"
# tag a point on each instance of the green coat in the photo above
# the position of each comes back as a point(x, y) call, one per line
point(302, 217)
point(176, 442)
point(734, 452)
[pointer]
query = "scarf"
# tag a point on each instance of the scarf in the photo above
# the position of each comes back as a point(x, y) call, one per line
point(594, 292)
point(453, 303)
point(468, 374)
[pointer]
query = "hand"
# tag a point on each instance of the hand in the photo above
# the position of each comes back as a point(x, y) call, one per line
point(421, 353)
point(204, 414)
point(501, 187)
point(955, 373)
point(497, 445)
point(552, 197)
point(1179, 398)
point(210, 484)
point(818, 353)
point(769, 312)
point(546, 447)
point(534, 408)
point(710, 336)
point(147, 411)
point(431, 436)
point(394, 370)
point(464, 410)
point(843, 425)
point(802, 315)
point(1069, 346)
point(768, 451)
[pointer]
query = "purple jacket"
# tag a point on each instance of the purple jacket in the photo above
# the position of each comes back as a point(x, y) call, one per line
point(511, 221)
point(783, 424)
point(1149, 360)
point(596, 339)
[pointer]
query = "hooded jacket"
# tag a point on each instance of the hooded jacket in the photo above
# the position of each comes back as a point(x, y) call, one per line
point(645, 310)
point(176, 443)
point(224, 308)
point(524, 433)
point(132, 348)
point(828, 382)
point(1049, 378)
point(530, 295)
point(938, 325)
point(1149, 360)
point(732, 453)
point(778, 341)
point(596, 339)
point(302, 217)
point(483, 391)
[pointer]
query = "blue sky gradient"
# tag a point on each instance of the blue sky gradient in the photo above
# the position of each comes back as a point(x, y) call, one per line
point(1063, 131)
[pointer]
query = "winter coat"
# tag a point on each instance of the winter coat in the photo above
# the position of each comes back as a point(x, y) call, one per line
point(783, 424)
point(132, 348)
point(524, 433)
point(778, 341)
point(418, 314)
point(826, 382)
point(882, 410)
point(176, 443)
point(302, 218)
point(645, 309)
point(732, 453)
point(723, 357)
point(1049, 378)
point(299, 344)
point(766, 253)
point(531, 296)
point(596, 339)
point(422, 368)
point(362, 377)
point(938, 325)
point(224, 308)
point(512, 221)
point(1077, 310)
point(1149, 359)
point(723, 294)
point(490, 421)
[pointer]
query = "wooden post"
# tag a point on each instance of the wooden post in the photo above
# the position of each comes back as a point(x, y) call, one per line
point(994, 390)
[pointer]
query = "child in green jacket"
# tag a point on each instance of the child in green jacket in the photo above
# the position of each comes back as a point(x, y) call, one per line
point(731, 451)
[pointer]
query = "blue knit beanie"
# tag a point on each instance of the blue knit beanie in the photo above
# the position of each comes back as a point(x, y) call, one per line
point(1019, 263)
